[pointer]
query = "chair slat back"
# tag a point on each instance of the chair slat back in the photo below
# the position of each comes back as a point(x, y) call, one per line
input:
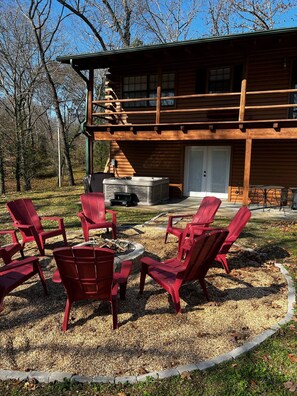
point(202, 253)
point(93, 206)
point(235, 227)
point(86, 272)
point(206, 211)
point(24, 212)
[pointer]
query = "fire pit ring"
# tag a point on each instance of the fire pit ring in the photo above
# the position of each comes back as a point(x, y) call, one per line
point(125, 250)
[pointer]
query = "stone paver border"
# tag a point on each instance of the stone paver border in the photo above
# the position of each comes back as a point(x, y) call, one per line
point(47, 377)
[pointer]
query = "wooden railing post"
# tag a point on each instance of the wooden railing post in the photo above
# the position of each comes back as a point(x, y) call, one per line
point(90, 97)
point(242, 100)
point(247, 172)
point(158, 101)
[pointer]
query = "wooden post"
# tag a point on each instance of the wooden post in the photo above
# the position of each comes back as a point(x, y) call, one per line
point(90, 97)
point(158, 101)
point(242, 100)
point(247, 172)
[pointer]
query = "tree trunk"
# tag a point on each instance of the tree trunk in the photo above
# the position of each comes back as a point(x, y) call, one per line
point(2, 173)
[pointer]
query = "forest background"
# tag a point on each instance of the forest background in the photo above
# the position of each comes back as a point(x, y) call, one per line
point(42, 102)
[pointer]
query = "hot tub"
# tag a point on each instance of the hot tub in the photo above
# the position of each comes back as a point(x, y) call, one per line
point(149, 190)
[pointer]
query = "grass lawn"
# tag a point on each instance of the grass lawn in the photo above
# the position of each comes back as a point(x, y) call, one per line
point(270, 369)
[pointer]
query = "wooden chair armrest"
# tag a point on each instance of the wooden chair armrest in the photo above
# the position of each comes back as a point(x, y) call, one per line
point(181, 216)
point(53, 218)
point(121, 277)
point(113, 213)
point(21, 226)
point(56, 278)
point(12, 234)
point(16, 263)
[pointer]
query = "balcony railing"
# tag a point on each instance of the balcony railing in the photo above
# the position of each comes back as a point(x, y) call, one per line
point(113, 110)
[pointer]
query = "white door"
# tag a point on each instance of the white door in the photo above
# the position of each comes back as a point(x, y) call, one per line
point(207, 171)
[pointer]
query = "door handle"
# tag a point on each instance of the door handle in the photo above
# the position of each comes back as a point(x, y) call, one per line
point(204, 173)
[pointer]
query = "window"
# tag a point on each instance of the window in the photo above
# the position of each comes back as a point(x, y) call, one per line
point(146, 87)
point(219, 80)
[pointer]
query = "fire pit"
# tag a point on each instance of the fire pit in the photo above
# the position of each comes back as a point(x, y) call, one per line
point(124, 249)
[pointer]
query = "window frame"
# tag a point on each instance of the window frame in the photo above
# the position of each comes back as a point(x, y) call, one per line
point(149, 92)
point(230, 81)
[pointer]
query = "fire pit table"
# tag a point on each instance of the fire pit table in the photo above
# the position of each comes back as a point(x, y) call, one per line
point(125, 250)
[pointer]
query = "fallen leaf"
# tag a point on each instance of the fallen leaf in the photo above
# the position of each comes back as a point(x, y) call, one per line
point(185, 375)
point(291, 386)
point(292, 357)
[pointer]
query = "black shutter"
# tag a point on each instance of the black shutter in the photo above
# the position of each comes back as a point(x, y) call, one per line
point(237, 77)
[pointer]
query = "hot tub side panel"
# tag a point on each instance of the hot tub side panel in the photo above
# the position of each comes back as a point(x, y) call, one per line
point(149, 191)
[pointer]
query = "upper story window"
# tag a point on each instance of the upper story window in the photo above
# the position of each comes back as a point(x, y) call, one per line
point(219, 80)
point(145, 86)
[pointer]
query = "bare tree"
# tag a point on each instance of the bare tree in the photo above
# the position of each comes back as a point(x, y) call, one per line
point(168, 21)
point(110, 22)
point(219, 15)
point(39, 16)
point(228, 16)
point(19, 76)
point(124, 23)
point(259, 14)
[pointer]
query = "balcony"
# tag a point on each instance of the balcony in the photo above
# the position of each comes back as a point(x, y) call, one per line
point(262, 112)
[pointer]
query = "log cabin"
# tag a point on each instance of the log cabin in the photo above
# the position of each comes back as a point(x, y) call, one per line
point(215, 115)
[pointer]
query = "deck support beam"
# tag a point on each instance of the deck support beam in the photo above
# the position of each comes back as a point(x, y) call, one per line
point(247, 171)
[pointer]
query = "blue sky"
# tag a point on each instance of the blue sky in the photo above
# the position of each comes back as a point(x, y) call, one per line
point(79, 40)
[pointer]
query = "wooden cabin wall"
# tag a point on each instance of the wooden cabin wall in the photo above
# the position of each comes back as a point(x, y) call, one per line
point(268, 67)
point(273, 162)
point(151, 159)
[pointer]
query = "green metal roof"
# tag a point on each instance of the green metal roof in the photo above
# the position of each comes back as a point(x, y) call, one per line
point(101, 59)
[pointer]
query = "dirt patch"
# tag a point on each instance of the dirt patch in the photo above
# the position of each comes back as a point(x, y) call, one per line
point(151, 336)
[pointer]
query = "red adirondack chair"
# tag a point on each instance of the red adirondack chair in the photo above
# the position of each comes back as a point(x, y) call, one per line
point(204, 216)
point(235, 228)
point(29, 223)
point(9, 250)
point(93, 214)
point(173, 273)
point(17, 272)
point(87, 273)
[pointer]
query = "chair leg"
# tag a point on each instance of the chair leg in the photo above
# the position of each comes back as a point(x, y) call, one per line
point(142, 278)
point(176, 300)
point(166, 235)
point(41, 276)
point(86, 234)
point(123, 288)
point(114, 310)
point(203, 286)
point(1, 302)
point(40, 245)
point(66, 314)
point(114, 232)
point(64, 237)
point(223, 260)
